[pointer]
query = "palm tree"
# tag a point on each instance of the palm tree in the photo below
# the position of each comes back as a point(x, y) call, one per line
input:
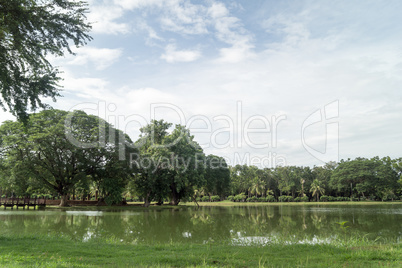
point(257, 187)
point(317, 189)
point(269, 192)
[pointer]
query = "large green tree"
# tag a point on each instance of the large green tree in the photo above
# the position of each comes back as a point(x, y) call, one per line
point(30, 30)
point(62, 149)
point(169, 164)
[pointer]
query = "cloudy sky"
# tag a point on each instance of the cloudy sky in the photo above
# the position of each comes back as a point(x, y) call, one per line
point(259, 82)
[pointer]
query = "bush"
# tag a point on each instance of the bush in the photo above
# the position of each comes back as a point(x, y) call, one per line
point(324, 198)
point(285, 198)
point(261, 199)
point(252, 199)
point(205, 199)
point(304, 198)
point(297, 199)
point(231, 198)
point(215, 198)
point(240, 197)
point(363, 198)
point(270, 198)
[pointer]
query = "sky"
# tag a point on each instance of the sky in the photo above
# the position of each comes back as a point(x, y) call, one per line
point(263, 83)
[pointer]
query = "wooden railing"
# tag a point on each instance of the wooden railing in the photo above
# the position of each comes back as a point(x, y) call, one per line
point(22, 202)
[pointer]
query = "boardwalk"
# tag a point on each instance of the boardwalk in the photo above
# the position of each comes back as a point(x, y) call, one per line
point(24, 202)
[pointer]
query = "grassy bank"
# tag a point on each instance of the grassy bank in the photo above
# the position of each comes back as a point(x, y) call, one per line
point(36, 251)
point(231, 204)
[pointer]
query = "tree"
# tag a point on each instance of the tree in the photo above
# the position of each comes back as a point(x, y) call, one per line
point(217, 176)
point(30, 30)
point(152, 162)
point(317, 189)
point(257, 187)
point(186, 170)
point(169, 164)
point(61, 149)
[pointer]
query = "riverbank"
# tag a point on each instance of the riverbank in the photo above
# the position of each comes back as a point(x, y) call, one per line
point(232, 204)
point(48, 251)
point(225, 203)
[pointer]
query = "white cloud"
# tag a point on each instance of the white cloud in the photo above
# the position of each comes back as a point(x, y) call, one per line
point(302, 64)
point(103, 19)
point(172, 55)
point(100, 57)
point(133, 4)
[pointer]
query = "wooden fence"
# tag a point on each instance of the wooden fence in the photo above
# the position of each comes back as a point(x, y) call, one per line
point(24, 202)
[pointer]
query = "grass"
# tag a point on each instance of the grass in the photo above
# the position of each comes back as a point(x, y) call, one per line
point(48, 251)
point(232, 204)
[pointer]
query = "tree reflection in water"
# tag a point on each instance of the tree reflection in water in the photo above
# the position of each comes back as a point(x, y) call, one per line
point(187, 224)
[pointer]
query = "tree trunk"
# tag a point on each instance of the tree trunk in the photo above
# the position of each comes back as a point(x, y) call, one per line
point(318, 200)
point(147, 202)
point(174, 198)
point(174, 195)
point(63, 201)
point(160, 201)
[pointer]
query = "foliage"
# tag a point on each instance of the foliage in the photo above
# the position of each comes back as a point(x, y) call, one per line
point(29, 32)
point(304, 199)
point(317, 188)
point(169, 164)
point(270, 198)
point(55, 154)
point(285, 198)
point(325, 198)
point(215, 198)
point(205, 198)
point(252, 199)
point(217, 176)
point(240, 197)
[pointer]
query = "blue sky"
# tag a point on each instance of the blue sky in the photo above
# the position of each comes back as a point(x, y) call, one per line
point(258, 82)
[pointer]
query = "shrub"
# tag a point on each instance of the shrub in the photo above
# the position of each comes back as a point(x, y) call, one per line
point(270, 198)
point(297, 199)
point(324, 198)
point(261, 199)
point(205, 199)
point(363, 198)
point(304, 198)
point(240, 197)
point(215, 198)
point(342, 198)
point(252, 199)
point(231, 198)
point(285, 198)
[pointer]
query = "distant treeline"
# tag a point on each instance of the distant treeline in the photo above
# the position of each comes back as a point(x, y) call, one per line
point(65, 154)
point(357, 179)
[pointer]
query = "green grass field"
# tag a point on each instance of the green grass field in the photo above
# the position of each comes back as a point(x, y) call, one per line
point(49, 251)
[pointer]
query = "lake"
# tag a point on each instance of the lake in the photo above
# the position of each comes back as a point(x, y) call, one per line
point(240, 224)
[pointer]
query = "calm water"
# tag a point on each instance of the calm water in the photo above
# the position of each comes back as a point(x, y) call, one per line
point(308, 224)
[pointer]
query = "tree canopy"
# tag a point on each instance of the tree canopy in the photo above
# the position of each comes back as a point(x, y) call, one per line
point(31, 30)
point(43, 150)
point(62, 153)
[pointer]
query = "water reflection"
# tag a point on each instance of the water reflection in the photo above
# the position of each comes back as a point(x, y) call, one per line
point(266, 224)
